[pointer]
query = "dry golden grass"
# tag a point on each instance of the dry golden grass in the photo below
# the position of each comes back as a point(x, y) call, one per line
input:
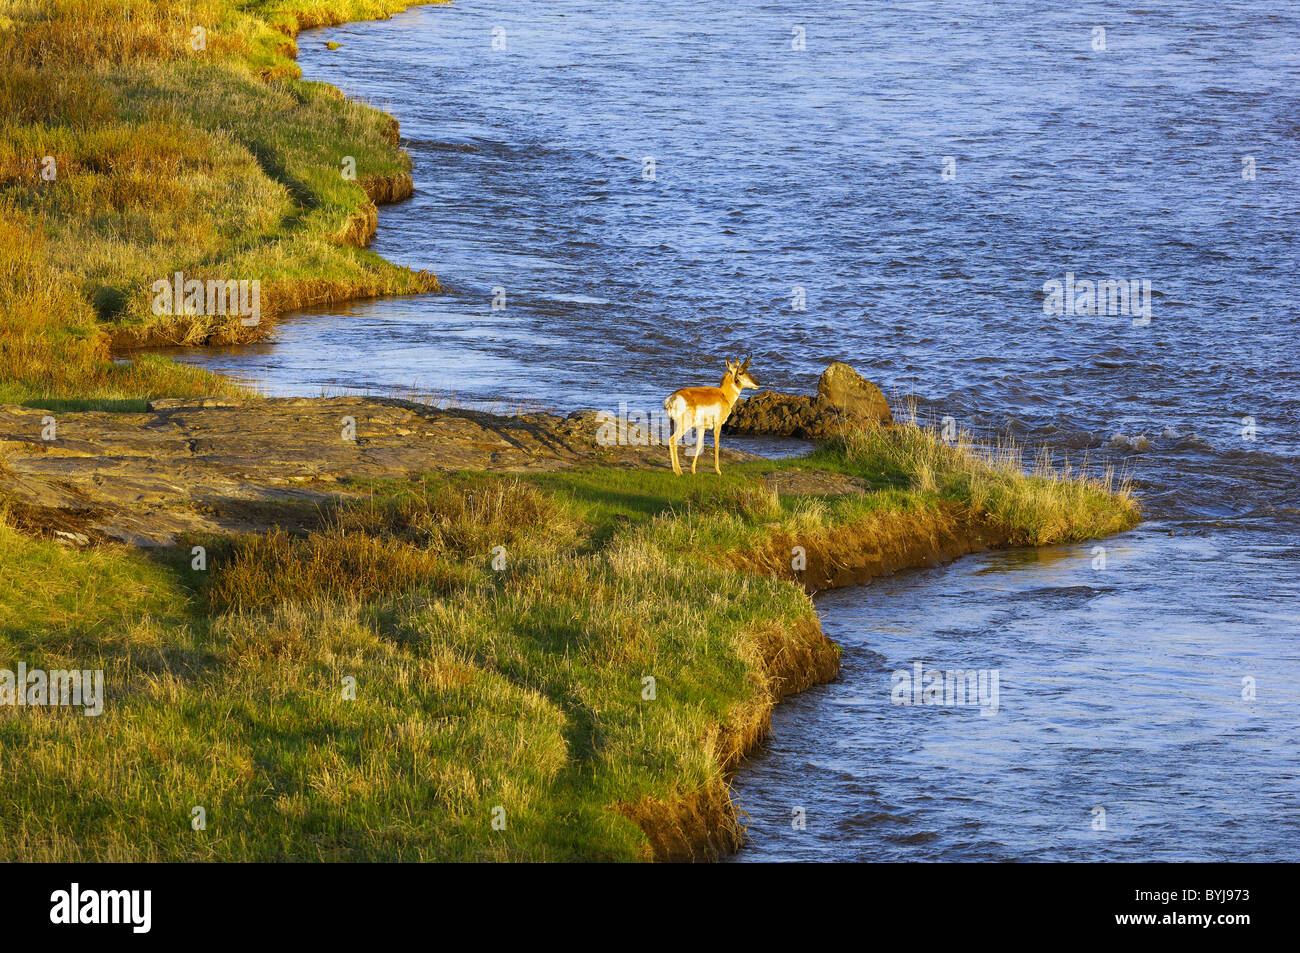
point(126, 155)
point(475, 688)
point(1042, 504)
point(265, 570)
point(72, 34)
point(423, 537)
point(50, 345)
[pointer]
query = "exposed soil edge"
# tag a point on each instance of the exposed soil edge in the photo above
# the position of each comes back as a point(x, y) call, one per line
point(277, 299)
point(704, 825)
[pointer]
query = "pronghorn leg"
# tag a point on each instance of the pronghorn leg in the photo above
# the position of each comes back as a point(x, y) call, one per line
point(672, 446)
point(717, 439)
point(699, 445)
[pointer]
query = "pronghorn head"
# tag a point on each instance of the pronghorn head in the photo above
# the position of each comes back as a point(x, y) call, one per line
point(740, 375)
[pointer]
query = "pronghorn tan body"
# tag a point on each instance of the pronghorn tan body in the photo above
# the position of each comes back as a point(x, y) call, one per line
point(702, 408)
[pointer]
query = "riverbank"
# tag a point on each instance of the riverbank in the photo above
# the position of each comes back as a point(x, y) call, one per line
point(388, 643)
point(176, 138)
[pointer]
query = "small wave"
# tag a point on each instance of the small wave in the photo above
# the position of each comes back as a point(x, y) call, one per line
point(442, 146)
point(1138, 443)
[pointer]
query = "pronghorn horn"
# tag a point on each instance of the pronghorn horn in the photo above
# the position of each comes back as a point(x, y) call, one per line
point(745, 366)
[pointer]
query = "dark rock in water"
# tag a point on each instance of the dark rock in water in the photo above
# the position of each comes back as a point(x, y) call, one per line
point(843, 388)
point(844, 400)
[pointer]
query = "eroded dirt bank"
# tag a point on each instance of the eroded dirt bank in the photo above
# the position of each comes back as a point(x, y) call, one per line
point(703, 825)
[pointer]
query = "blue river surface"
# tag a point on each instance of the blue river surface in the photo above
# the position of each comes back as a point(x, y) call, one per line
point(652, 188)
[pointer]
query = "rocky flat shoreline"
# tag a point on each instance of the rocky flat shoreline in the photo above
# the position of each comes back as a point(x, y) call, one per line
point(230, 466)
point(219, 465)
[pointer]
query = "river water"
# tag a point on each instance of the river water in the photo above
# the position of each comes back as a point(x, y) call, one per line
point(920, 170)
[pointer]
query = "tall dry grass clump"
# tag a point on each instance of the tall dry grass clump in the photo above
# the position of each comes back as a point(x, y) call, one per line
point(72, 34)
point(1035, 505)
point(266, 570)
point(463, 517)
point(435, 536)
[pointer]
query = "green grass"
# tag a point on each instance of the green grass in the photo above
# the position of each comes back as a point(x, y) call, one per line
point(477, 688)
point(519, 689)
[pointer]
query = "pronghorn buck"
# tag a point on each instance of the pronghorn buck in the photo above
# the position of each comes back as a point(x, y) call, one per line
point(699, 408)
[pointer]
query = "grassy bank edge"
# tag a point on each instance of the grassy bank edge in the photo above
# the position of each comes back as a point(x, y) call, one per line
point(703, 825)
point(358, 227)
point(127, 156)
point(606, 564)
